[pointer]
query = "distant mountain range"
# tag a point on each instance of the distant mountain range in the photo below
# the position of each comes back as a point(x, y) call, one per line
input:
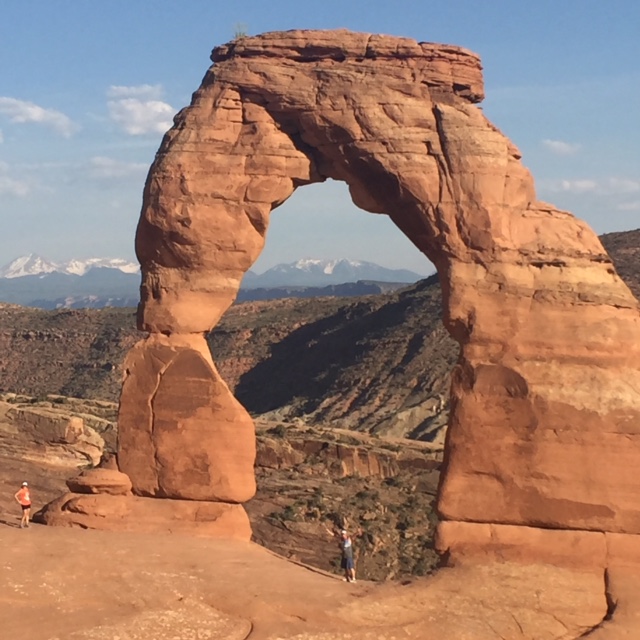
point(114, 282)
point(34, 265)
point(321, 273)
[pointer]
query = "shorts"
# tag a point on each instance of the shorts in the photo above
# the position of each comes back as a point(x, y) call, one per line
point(347, 563)
point(25, 506)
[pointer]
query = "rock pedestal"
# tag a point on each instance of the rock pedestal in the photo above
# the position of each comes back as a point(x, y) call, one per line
point(182, 434)
point(101, 499)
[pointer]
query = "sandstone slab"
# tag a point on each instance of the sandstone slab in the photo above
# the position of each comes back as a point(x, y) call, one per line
point(488, 543)
point(174, 586)
point(100, 480)
point(150, 515)
point(44, 425)
point(56, 436)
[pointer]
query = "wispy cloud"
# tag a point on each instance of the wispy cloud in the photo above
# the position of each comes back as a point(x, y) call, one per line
point(104, 168)
point(623, 185)
point(629, 206)
point(577, 186)
point(10, 186)
point(139, 110)
point(141, 91)
point(21, 112)
point(606, 186)
point(1, 136)
point(560, 147)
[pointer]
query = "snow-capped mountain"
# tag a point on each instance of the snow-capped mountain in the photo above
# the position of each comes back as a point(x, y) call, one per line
point(80, 267)
point(310, 272)
point(34, 265)
point(27, 266)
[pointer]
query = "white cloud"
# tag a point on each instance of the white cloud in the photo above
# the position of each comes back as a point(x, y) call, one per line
point(21, 111)
point(139, 110)
point(109, 168)
point(623, 185)
point(605, 186)
point(577, 186)
point(147, 91)
point(629, 206)
point(1, 136)
point(560, 147)
point(12, 187)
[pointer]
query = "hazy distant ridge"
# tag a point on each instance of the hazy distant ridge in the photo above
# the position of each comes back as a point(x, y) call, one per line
point(311, 272)
point(113, 282)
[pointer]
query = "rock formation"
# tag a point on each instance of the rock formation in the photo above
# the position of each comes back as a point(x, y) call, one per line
point(545, 399)
point(48, 434)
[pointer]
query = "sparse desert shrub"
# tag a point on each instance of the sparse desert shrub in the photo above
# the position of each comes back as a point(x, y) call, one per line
point(424, 565)
point(279, 431)
point(411, 502)
point(316, 500)
point(432, 516)
point(288, 513)
point(368, 494)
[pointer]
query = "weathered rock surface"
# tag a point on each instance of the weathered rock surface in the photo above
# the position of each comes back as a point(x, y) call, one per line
point(181, 433)
point(54, 436)
point(44, 425)
point(161, 587)
point(147, 515)
point(545, 396)
point(351, 458)
point(99, 480)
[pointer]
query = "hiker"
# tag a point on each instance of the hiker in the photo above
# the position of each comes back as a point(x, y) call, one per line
point(23, 498)
point(347, 560)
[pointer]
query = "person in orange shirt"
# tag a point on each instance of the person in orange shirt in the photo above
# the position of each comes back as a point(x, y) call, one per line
point(23, 498)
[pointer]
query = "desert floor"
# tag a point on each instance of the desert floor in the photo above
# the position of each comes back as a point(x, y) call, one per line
point(72, 584)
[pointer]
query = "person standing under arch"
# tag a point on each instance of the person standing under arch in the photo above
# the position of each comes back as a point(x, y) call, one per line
point(347, 561)
point(23, 498)
point(347, 558)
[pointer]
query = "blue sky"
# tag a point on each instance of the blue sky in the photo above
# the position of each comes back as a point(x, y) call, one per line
point(87, 88)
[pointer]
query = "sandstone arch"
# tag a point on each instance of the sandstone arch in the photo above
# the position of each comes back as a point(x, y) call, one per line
point(546, 396)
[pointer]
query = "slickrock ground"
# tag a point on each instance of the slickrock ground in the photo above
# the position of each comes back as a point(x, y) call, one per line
point(60, 584)
point(72, 584)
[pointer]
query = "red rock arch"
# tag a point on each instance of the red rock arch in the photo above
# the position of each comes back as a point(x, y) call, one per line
point(546, 396)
